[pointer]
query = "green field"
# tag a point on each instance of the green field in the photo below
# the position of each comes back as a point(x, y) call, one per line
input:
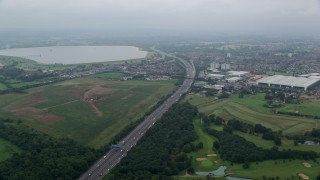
point(109, 75)
point(250, 109)
point(209, 162)
point(22, 84)
point(282, 169)
point(195, 178)
point(306, 108)
point(256, 102)
point(89, 110)
point(2, 87)
point(286, 144)
point(7, 149)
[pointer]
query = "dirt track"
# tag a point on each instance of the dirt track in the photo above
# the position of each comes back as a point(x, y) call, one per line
point(96, 95)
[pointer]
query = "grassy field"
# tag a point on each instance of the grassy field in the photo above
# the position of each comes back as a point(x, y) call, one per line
point(256, 102)
point(2, 87)
point(205, 163)
point(309, 108)
point(22, 84)
point(282, 169)
point(109, 75)
point(89, 110)
point(195, 178)
point(251, 110)
point(286, 144)
point(7, 149)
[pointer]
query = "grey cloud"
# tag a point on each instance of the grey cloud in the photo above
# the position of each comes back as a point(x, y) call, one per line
point(212, 16)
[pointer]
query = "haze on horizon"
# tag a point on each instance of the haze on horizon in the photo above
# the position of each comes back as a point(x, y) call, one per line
point(237, 17)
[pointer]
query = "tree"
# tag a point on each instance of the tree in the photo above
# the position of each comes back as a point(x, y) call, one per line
point(246, 165)
point(216, 145)
point(200, 145)
point(277, 141)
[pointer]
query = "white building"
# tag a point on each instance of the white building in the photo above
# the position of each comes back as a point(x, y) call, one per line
point(314, 77)
point(214, 65)
point(215, 76)
point(225, 66)
point(199, 83)
point(238, 73)
point(288, 82)
point(233, 79)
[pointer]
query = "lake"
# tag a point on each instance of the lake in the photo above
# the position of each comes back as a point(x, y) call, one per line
point(76, 54)
point(221, 171)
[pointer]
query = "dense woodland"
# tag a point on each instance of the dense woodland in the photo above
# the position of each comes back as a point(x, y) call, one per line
point(42, 157)
point(159, 154)
point(236, 149)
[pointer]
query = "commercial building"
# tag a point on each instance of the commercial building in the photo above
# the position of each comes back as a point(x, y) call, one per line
point(309, 75)
point(215, 76)
point(199, 83)
point(233, 79)
point(314, 77)
point(301, 83)
point(238, 73)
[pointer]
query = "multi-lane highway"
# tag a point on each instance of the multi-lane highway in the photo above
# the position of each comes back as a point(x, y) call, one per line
point(113, 157)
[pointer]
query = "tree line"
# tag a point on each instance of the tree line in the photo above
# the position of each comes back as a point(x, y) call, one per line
point(237, 125)
point(236, 149)
point(42, 156)
point(160, 153)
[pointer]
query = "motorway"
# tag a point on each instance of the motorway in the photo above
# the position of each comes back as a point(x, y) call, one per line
point(103, 166)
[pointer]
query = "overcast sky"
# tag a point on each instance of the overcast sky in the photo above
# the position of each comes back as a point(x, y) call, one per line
point(215, 16)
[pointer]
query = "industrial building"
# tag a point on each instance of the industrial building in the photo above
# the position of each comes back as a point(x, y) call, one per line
point(238, 73)
point(233, 79)
point(199, 83)
point(288, 82)
point(215, 76)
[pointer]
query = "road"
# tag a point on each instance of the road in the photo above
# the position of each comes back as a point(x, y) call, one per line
point(113, 157)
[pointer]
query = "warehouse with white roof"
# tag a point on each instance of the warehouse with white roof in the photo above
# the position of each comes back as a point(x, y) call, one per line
point(288, 82)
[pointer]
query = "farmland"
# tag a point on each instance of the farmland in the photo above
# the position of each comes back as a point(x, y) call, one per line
point(90, 110)
point(251, 110)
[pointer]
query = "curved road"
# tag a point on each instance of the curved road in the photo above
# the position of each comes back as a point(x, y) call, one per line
point(101, 167)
